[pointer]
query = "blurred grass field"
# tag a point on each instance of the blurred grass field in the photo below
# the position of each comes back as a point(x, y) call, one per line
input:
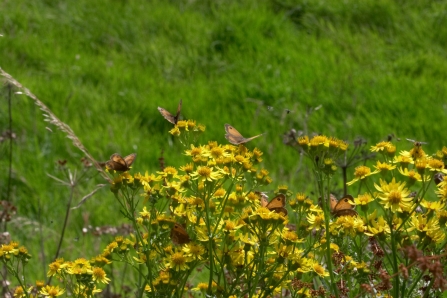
point(103, 67)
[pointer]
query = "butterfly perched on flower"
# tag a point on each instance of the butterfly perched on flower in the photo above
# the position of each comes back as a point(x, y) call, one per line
point(343, 206)
point(277, 204)
point(168, 116)
point(179, 235)
point(119, 163)
point(235, 137)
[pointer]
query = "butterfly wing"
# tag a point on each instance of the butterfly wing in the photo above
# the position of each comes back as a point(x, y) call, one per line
point(344, 207)
point(249, 139)
point(168, 116)
point(179, 107)
point(129, 159)
point(263, 198)
point(117, 163)
point(233, 136)
point(277, 204)
point(179, 235)
point(334, 202)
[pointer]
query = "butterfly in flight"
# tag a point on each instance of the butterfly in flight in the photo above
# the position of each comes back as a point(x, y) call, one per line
point(168, 116)
point(119, 163)
point(235, 137)
point(342, 207)
point(277, 204)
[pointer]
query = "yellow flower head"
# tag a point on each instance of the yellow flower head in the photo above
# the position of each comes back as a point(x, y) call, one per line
point(361, 172)
point(318, 269)
point(363, 199)
point(381, 146)
point(394, 195)
point(177, 261)
point(100, 275)
point(51, 291)
point(384, 167)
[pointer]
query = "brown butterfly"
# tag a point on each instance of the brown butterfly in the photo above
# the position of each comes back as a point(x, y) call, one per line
point(168, 116)
point(119, 163)
point(234, 137)
point(342, 207)
point(276, 204)
point(179, 235)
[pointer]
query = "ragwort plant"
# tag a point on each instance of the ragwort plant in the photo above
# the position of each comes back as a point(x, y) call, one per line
point(211, 216)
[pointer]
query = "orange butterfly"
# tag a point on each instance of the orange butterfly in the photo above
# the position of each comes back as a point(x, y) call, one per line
point(168, 116)
point(179, 235)
point(234, 137)
point(342, 207)
point(120, 164)
point(276, 204)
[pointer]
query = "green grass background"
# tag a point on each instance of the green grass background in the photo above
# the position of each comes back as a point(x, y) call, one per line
point(103, 67)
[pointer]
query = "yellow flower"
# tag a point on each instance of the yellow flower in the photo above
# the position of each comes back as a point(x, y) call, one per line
point(204, 173)
point(421, 164)
point(177, 261)
point(188, 168)
point(391, 150)
point(291, 236)
point(195, 251)
point(442, 216)
point(319, 269)
point(201, 287)
point(10, 249)
point(175, 131)
point(80, 266)
point(361, 172)
point(442, 191)
point(436, 165)
point(316, 221)
point(303, 141)
point(433, 206)
point(51, 291)
point(40, 283)
point(100, 275)
point(436, 235)
point(363, 199)
point(394, 195)
point(378, 227)
point(421, 223)
point(56, 267)
point(429, 228)
point(403, 159)
point(19, 292)
point(381, 146)
point(169, 172)
point(384, 167)
point(101, 261)
point(412, 175)
point(348, 225)
point(319, 140)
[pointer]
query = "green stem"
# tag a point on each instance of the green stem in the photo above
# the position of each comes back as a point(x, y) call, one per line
point(327, 217)
point(67, 214)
